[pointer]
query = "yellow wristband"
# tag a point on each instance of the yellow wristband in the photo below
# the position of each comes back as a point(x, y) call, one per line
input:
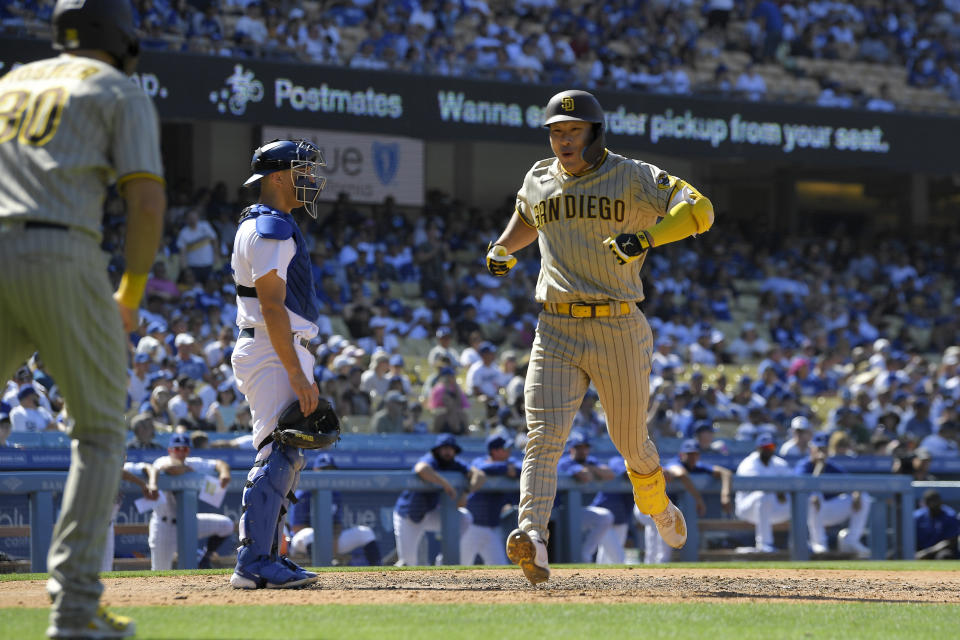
point(131, 289)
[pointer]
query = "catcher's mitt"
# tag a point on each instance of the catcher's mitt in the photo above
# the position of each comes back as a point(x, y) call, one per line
point(318, 430)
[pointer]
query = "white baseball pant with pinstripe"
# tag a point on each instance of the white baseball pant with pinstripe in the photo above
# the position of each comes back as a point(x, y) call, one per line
point(55, 298)
point(568, 353)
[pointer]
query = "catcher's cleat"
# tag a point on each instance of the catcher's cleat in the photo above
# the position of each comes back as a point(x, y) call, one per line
point(671, 525)
point(270, 575)
point(530, 554)
point(103, 625)
point(293, 566)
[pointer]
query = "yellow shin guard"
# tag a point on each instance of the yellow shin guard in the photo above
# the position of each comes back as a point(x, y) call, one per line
point(649, 491)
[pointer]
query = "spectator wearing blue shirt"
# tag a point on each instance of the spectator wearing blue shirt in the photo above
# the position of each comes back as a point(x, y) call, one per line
point(583, 467)
point(344, 540)
point(943, 444)
point(485, 537)
point(416, 512)
point(699, 413)
point(768, 385)
point(920, 425)
point(704, 435)
point(188, 363)
point(828, 509)
point(799, 442)
point(938, 529)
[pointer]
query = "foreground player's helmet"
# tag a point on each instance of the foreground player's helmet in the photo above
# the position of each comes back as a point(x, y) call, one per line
point(300, 155)
point(106, 25)
point(574, 104)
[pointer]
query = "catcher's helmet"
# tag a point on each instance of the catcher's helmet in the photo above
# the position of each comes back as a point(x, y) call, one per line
point(574, 104)
point(300, 155)
point(97, 24)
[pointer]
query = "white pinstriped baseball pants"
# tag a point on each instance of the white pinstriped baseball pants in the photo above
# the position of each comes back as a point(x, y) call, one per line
point(55, 298)
point(567, 354)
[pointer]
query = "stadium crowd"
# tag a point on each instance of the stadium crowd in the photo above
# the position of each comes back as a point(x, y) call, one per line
point(644, 45)
point(751, 330)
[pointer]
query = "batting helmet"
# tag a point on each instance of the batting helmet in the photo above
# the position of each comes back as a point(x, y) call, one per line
point(574, 104)
point(106, 25)
point(300, 155)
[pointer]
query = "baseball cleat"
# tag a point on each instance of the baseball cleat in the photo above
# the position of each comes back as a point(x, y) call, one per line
point(671, 525)
point(103, 625)
point(530, 554)
point(297, 569)
point(241, 581)
point(270, 576)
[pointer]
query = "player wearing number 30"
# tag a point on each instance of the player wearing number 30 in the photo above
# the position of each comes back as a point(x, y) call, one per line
point(582, 205)
point(70, 126)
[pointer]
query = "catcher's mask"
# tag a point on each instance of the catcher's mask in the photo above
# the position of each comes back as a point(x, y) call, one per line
point(574, 104)
point(303, 157)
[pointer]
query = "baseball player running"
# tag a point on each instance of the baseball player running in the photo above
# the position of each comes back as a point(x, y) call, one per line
point(276, 309)
point(582, 205)
point(70, 126)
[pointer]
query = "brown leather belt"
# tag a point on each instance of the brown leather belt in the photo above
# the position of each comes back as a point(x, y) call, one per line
point(589, 309)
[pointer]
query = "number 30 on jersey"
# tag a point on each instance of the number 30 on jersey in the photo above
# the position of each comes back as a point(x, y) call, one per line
point(32, 119)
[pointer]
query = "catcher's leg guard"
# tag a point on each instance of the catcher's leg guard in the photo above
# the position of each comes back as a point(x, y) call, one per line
point(263, 499)
point(649, 493)
point(275, 553)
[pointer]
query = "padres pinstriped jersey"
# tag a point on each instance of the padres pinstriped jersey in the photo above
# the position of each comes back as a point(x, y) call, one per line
point(572, 214)
point(109, 133)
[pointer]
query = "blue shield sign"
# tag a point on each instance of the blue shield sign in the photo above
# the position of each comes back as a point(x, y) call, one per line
point(386, 158)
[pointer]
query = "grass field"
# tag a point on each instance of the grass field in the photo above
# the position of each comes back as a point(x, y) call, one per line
point(720, 620)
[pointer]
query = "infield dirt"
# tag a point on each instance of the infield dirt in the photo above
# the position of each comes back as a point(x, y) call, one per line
point(507, 586)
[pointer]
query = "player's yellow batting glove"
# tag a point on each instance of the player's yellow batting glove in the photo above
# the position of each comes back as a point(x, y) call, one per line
point(499, 262)
point(628, 247)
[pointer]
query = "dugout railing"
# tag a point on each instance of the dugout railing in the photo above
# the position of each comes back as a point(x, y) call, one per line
point(894, 494)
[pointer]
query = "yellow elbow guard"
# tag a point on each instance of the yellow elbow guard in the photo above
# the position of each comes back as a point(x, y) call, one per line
point(649, 491)
point(702, 212)
point(684, 220)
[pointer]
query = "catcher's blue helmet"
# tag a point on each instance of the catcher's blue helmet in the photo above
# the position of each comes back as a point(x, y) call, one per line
point(300, 155)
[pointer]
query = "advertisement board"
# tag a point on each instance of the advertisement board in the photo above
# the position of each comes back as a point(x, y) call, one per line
point(369, 167)
point(199, 88)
